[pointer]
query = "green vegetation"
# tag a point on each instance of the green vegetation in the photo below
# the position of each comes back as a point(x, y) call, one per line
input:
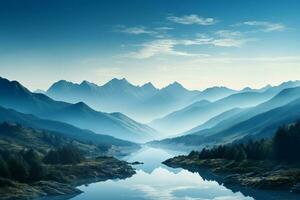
point(266, 164)
point(65, 155)
point(284, 146)
point(37, 163)
point(24, 166)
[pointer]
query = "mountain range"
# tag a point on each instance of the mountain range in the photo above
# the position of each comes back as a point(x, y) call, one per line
point(243, 123)
point(193, 118)
point(198, 113)
point(60, 128)
point(143, 103)
point(15, 96)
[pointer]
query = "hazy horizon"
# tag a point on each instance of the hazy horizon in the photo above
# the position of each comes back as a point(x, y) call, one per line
point(139, 85)
point(199, 44)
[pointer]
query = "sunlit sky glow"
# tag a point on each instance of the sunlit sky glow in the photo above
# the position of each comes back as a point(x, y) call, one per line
point(199, 43)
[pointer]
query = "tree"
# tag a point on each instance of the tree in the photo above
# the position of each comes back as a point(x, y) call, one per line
point(4, 172)
point(37, 171)
point(18, 168)
point(68, 154)
point(240, 154)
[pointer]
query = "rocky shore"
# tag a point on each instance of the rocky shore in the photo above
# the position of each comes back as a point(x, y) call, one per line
point(266, 175)
point(63, 179)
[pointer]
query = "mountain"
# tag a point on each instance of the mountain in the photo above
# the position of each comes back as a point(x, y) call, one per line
point(16, 138)
point(215, 120)
point(115, 124)
point(264, 124)
point(215, 93)
point(143, 103)
point(167, 126)
point(255, 122)
point(39, 91)
point(194, 116)
point(13, 95)
point(61, 129)
point(117, 95)
point(284, 97)
point(191, 116)
point(263, 89)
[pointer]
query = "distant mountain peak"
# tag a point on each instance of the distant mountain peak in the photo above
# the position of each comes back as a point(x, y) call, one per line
point(265, 87)
point(149, 85)
point(175, 85)
point(81, 106)
point(39, 91)
point(121, 80)
point(85, 82)
point(63, 82)
point(290, 83)
point(117, 82)
point(12, 87)
point(88, 84)
point(60, 84)
point(246, 89)
point(215, 88)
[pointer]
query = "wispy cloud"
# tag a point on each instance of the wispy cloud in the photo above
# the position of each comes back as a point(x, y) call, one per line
point(265, 26)
point(157, 32)
point(230, 42)
point(228, 33)
point(262, 59)
point(164, 44)
point(229, 38)
point(137, 30)
point(162, 47)
point(192, 19)
point(164, 28)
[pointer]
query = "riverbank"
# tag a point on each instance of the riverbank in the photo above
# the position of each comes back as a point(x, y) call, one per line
point(266, 175)
point(63, 179)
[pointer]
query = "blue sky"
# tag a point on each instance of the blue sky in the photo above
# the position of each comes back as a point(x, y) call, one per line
point(199, 43)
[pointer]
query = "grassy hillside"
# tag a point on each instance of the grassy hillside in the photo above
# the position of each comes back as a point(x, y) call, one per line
point(37, 163)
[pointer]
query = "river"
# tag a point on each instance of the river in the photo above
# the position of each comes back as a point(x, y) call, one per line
point(155, 181)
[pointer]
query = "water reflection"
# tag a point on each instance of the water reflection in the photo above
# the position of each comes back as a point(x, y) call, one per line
point(155, 181)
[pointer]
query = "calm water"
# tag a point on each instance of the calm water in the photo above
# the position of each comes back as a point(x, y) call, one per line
point(155, 181)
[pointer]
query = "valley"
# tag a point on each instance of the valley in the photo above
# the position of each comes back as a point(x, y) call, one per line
point(102, 146)
point(149, 100)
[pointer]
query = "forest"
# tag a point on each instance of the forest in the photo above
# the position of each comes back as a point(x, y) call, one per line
point(283, 146)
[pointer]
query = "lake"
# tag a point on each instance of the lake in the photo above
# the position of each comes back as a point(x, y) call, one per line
point(155, 181)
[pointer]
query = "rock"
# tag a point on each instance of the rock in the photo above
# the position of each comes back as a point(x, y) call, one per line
point(137, 163)
point(232, 179)
point(53, 188)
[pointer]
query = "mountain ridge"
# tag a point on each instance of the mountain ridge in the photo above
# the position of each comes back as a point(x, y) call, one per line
point(79, 114)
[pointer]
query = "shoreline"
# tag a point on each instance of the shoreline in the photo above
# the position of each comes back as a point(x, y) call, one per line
point(101, 169)
point(248, 174)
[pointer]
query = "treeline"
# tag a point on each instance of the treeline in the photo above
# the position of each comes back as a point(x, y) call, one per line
point(29, 165)
point(284, 146)
point(64, 155)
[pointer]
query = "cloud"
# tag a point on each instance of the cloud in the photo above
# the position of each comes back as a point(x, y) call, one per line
point(162, 47)
point(230, 42)
point(266, 26)
point(220, 42)
point(157, 32)
point(134, 30)
point(168, 46)
point(261, 59)
point(228, 33)
point(192, 19)
point(164, 28)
